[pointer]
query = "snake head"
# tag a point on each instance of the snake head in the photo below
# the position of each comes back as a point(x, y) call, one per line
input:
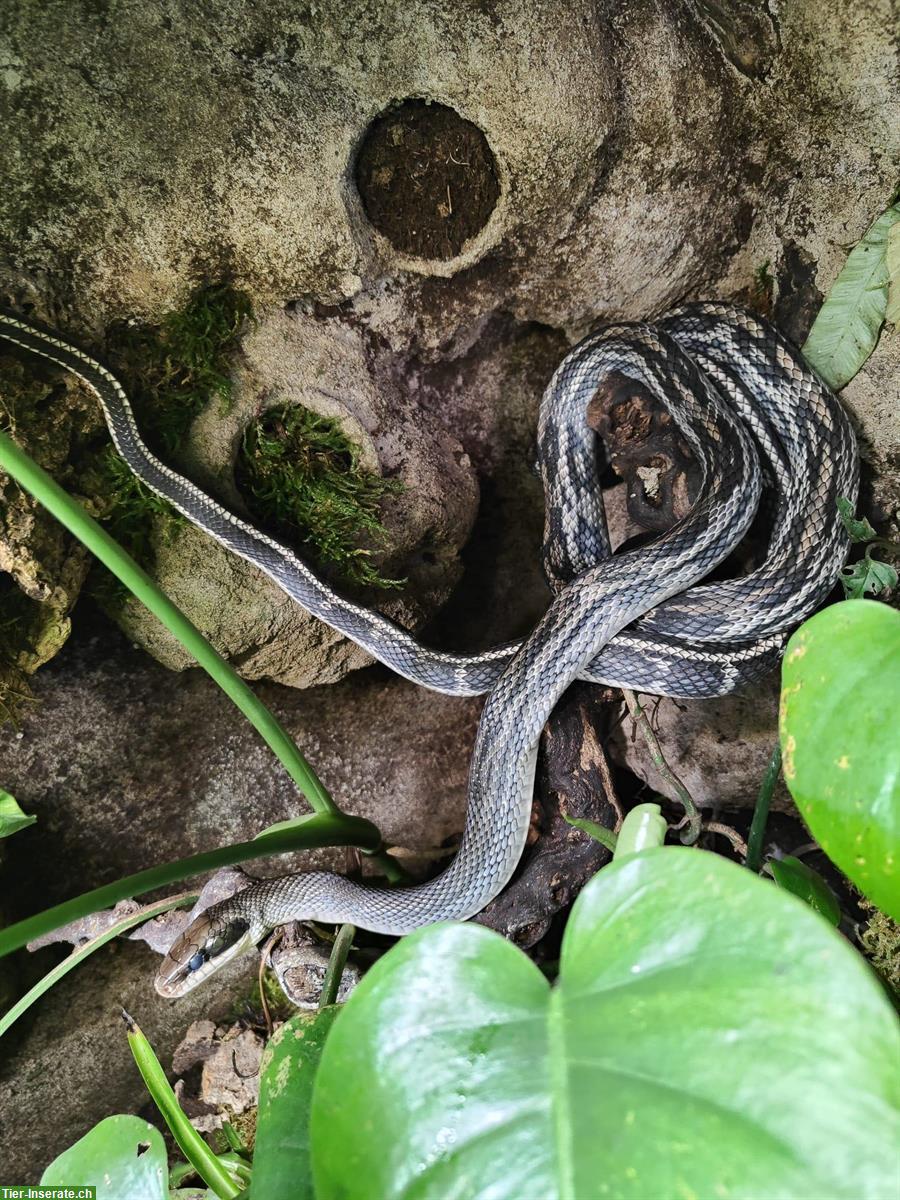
point(212, 939)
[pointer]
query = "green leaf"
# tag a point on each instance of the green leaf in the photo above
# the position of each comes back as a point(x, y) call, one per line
point(839, 717)
point(606, 837)
point(12, 819)
point(643, 828)
point(859, 529)
point(893, 269)
point(281, 1166)
point(868, 576)
point(654, 1068)
point(210, 1167)
point(847, 327)
point(796, 877)
point(123, 1157)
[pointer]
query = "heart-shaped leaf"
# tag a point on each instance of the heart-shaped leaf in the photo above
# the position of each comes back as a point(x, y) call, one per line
point(123, 1157)
point(839, 723)
point(709, 1036)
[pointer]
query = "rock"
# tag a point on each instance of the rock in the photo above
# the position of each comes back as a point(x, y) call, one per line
point(125, 765)
point(299, 961)
point(581, 200)
point(297, 359)
point(718, 748)
point(229, 1079)
point(67, 1064)
point(42, 568)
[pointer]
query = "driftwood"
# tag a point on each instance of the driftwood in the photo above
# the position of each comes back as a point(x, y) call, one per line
point(573, 780)
point(573, 776)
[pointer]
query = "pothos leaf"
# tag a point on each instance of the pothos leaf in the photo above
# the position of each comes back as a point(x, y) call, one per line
point(796, 877)
point(12, 819)
point(893, 268)
point(859, 529)
point(847, 327)
point(867, 576)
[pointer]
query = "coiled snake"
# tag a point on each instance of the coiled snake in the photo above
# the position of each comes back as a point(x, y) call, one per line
point(751, 412)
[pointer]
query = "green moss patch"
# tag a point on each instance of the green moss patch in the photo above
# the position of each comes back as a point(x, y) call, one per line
point(171, 371)
point(302, 477)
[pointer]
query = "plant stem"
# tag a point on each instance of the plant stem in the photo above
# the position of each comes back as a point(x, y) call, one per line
point(726, 831)
point(81, 953)
point(331, 984)
point(687, 801)
point(193, 1147)
point(70, 513)
point(761, 811)
point(318, 829)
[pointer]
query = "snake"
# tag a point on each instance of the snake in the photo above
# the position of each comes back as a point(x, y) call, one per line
point(766, 433)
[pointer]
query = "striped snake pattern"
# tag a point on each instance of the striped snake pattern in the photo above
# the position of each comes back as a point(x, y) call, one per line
point(758, 422)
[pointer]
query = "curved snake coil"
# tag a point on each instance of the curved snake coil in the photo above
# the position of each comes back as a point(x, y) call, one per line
point(751, 412)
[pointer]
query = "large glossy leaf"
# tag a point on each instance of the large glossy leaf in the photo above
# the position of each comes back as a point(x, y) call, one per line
point(12, 819)
point(709, 1037)
point(123, 1157)
point(840, 736)
point(846, 329)
point(281, 1167)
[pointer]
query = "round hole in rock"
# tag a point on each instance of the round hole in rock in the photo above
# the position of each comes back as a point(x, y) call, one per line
point(427, 178)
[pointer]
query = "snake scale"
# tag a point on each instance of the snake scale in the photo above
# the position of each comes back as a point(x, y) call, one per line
point(758, 422)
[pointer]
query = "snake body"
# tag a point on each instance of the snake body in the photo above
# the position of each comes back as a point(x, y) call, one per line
point(752, 413)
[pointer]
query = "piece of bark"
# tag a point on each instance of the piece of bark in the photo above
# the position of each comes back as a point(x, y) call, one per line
point(559, 859)
point(647, 450)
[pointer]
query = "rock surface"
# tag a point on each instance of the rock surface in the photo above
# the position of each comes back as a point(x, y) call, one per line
point(638, 156)
point(718, 748)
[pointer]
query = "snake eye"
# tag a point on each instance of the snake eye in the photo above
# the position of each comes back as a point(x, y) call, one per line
point(197, 961)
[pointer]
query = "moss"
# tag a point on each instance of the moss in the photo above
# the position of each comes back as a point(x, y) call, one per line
point(250, 1006)
point(881, 943)
point(302, 477)
point(171, 371)
point(761, 293)
point(17, 614)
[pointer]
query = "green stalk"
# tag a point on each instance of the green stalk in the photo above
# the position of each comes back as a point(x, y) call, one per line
point(606, 837)
point(193, 1147)
point(70, 513)
point(318, 829)
point(331, 984)
point(761, 811)
point(81, 953)
point(692, 832)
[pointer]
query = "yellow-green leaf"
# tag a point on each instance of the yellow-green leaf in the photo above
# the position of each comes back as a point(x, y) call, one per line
point(846, 330)
point(839, 722)
point(893, 269)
